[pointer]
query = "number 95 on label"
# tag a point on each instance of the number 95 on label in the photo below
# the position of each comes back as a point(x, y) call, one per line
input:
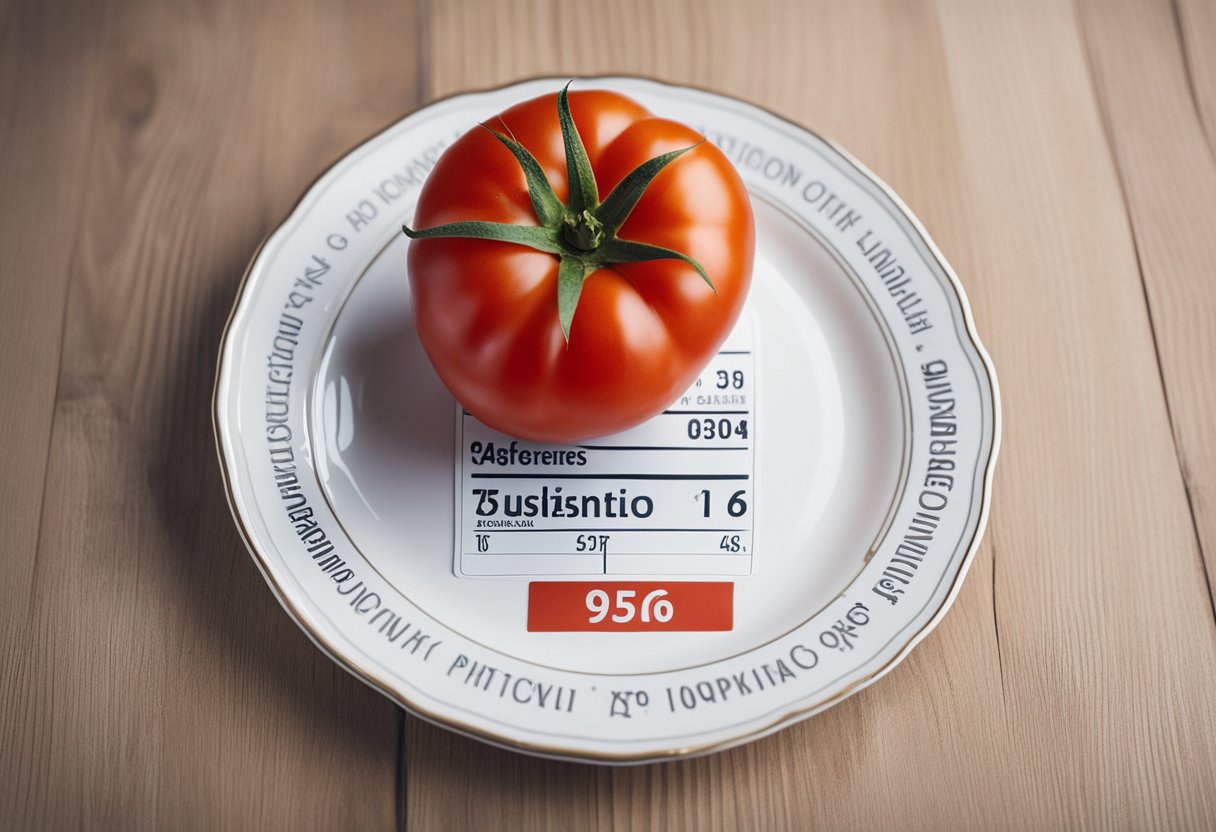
point(630, 606)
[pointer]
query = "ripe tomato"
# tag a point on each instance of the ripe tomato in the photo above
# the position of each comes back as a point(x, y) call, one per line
point(543, 310)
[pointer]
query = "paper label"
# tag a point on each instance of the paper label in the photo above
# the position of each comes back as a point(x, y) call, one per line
point(673, 496)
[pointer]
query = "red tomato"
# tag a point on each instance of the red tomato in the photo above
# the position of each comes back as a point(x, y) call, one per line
point(487, 311)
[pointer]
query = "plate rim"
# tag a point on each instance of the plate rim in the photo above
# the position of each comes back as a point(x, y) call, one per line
point(583, 755)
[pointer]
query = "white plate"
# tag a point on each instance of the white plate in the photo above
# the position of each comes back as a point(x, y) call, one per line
point(876, 432)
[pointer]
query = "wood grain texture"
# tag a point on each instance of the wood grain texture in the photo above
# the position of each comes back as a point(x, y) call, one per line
point(1168, 173)
point(1103, 611)
point(1061, 155)
point(40, 216)
point(158, 685)
point(1195, 22)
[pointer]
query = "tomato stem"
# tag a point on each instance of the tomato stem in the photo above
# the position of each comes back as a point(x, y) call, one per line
point(582, 234)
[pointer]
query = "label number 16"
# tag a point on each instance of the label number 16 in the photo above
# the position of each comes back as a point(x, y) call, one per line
point(736, 506)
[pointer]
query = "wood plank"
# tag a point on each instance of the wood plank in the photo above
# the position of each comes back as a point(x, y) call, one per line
point(1108, 650)
point(1196, 24)
point(43, 141)
point(861, 73)
point(451, 782)
point(1169, 181)
point(160, 684)
point(39, 219)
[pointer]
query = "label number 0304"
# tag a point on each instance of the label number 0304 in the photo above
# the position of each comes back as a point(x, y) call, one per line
point(723, 428)
point(654, 606)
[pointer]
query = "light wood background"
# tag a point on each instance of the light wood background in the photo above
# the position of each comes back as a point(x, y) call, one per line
point(1062, 155)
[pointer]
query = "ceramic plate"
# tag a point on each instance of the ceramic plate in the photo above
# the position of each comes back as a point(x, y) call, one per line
point(777, 540)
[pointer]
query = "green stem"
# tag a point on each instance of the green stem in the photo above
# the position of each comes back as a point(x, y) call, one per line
point(583, 232)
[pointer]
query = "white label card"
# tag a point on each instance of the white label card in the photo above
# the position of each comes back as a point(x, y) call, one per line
point(673, 496)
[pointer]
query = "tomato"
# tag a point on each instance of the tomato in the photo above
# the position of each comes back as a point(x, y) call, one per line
point(541, 306)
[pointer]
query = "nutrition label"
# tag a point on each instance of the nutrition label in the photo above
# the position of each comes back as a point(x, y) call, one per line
point(674, 496)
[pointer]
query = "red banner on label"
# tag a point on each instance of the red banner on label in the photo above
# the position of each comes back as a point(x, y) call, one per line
point(630, 606)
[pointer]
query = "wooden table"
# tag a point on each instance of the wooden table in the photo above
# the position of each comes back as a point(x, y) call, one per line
point(1062, 155)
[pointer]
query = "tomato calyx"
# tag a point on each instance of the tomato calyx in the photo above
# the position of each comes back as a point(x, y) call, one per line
point(582, 234)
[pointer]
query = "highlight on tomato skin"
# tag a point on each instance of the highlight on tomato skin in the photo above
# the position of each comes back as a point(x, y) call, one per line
point(575, 262)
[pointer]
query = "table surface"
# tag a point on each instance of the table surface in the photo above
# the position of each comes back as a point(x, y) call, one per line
point(1060, 153)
